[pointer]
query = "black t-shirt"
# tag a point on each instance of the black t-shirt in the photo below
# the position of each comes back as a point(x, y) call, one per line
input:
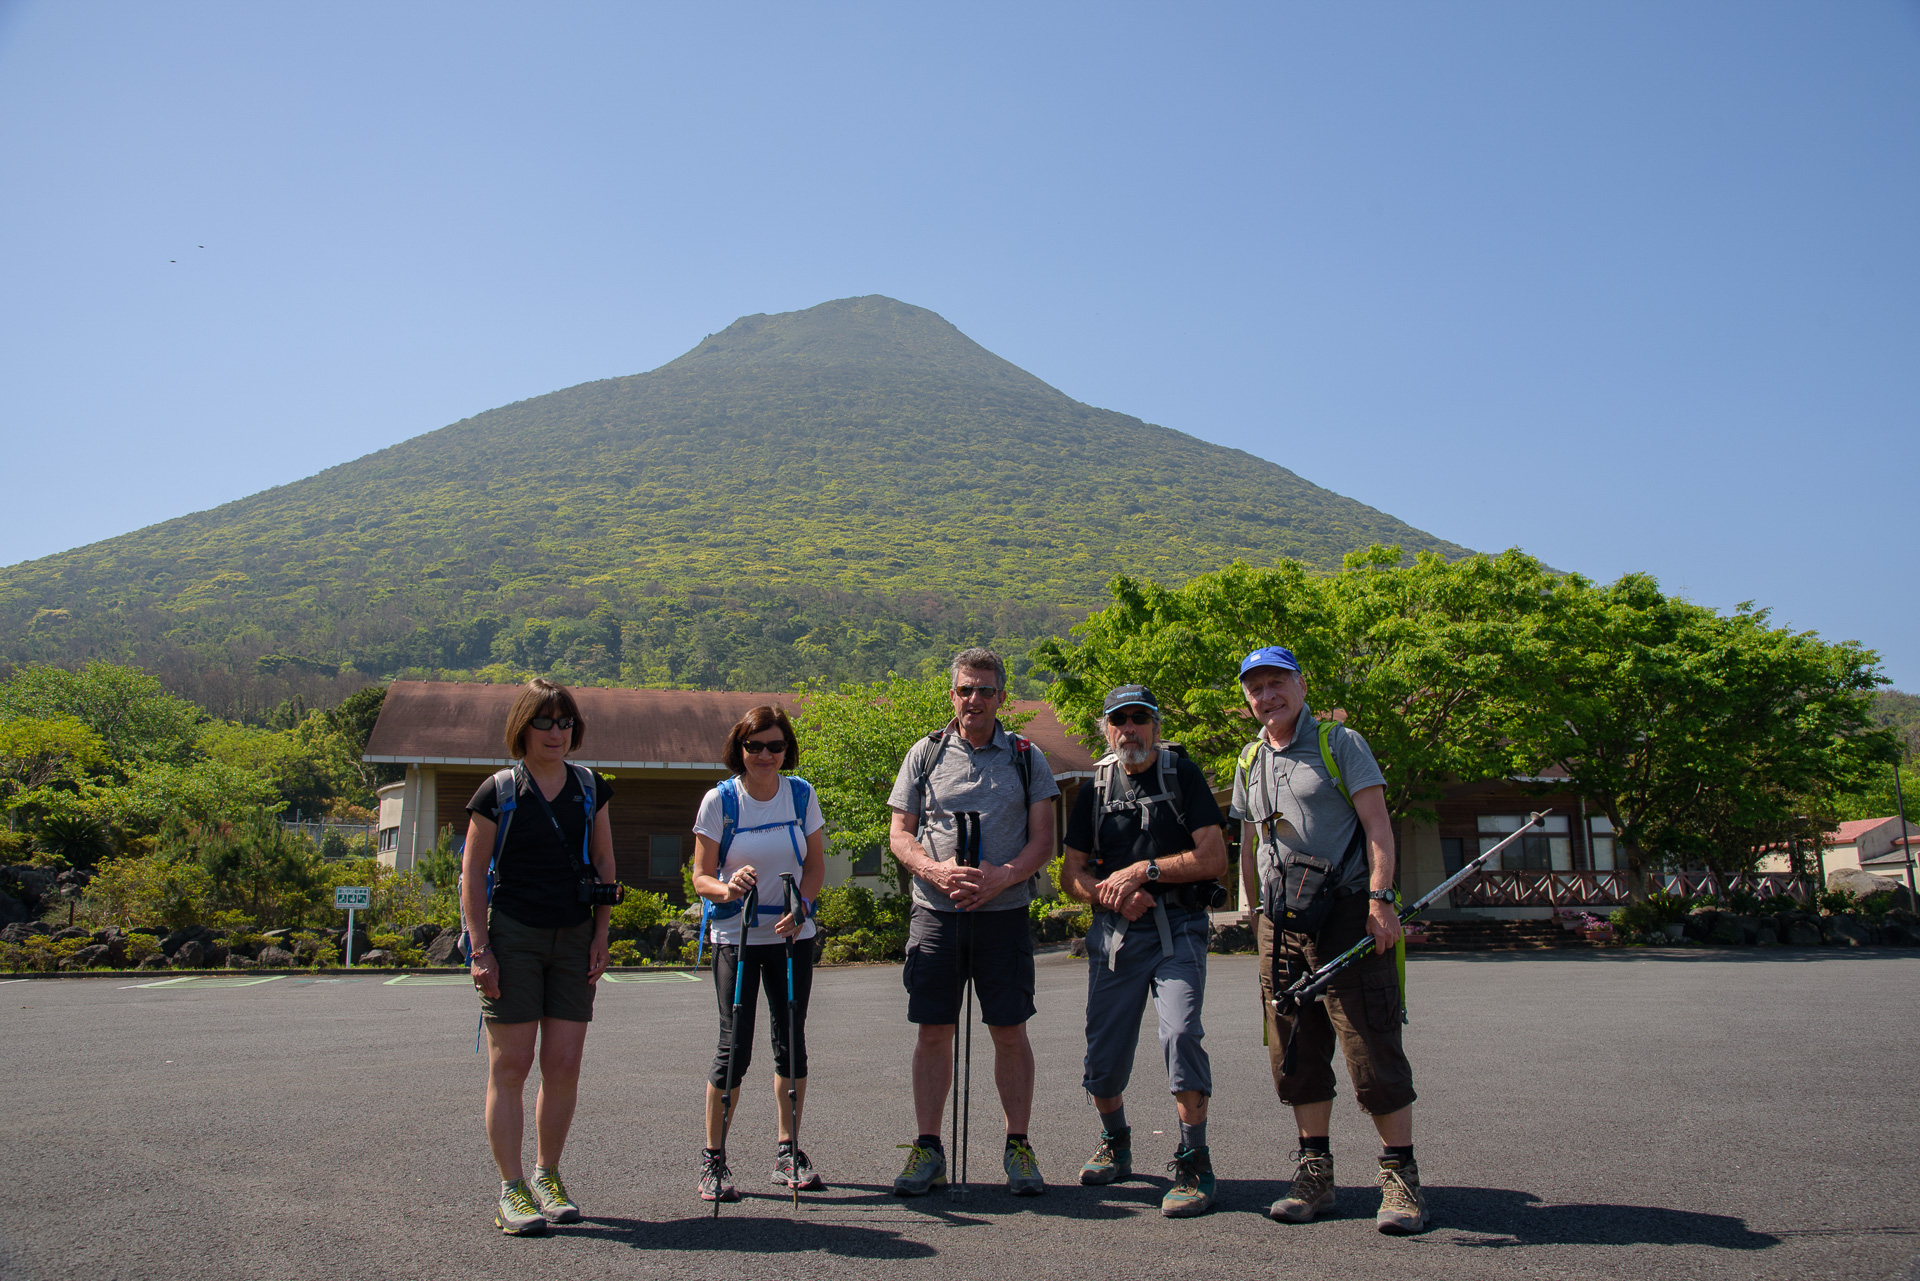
point(537, 881)
point(1120, 842)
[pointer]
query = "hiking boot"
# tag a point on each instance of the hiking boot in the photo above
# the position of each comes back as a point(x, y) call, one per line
point(926, 1170)
point(795, 1171)
point(716, 1179)
point(1312, 1191)
point(1192, 1190)
point(517, 1215)
point(1111, 1161)
point(1403, 1207)
point(1023, 1169)
point(551, 1196)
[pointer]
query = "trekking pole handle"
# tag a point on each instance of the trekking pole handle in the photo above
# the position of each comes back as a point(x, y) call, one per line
point(1312, 986)
point(791, 892)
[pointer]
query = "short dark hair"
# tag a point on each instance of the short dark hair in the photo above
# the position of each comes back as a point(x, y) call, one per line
point(758, 719)
point(542, 697)
point(977, 659)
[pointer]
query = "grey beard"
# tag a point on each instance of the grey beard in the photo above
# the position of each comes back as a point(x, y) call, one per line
point(1132, 755)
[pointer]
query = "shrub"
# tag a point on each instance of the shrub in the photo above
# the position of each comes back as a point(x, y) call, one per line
point(639, 912)
point(845, 908)
point(864, 945)
point(624, 952)
point(1838, 902)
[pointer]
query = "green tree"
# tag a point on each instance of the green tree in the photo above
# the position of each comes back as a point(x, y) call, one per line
point(1427, 660)
point(134, 718)
point(1702, 736)
point(37, 753)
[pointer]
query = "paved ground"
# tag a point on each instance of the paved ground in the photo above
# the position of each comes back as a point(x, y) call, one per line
point(1691, 1114)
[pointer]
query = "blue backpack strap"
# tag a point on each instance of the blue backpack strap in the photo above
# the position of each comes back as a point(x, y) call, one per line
point(586, 778)
point(506, 788)
point(729, 822)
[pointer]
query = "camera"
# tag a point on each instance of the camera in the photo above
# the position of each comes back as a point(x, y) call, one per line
point(598, 893)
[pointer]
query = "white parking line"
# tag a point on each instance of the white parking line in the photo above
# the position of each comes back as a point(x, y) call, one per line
point(200, 980)
point(669, 976)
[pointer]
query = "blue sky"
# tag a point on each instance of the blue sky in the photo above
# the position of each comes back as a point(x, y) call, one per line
point(1634, 286)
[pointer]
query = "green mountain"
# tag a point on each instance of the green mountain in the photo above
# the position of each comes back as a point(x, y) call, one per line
point(831, 492)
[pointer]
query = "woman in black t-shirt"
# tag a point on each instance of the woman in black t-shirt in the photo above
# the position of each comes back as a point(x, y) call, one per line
point(538, 947)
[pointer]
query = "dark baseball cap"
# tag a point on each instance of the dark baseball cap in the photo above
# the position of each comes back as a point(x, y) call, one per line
point(1272, 656)
point(1131, 696)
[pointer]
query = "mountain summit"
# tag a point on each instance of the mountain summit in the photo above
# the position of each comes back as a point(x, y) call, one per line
point(836, 492)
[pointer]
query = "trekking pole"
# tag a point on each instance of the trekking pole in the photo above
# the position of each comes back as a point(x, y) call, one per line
point(1312, 987)
point(749, 912)
point(968, 855)
point(793, 1042)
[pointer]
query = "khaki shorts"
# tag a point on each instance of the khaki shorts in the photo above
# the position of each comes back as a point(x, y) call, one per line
point(1361, 1013)
point(543, 973)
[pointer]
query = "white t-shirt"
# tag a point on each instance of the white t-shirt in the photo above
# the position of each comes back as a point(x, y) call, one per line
point(769, 853)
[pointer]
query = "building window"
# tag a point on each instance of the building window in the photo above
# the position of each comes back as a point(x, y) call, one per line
point(1453, 853)
point(389, 837)
point(663, 858)
point(867, 862)
point(1538, 851)
point(1600, 833)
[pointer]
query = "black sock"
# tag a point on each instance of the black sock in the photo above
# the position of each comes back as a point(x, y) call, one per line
point(1015, 1138)
point(1316, 1145)
point(1402, 1155)
point(930, 1141)
point(710, 1152)
point(1114, 1122)
point(785, 1148)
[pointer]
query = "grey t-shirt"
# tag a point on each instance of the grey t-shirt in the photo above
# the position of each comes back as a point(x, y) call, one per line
point(1310, 816)
point(981, 779)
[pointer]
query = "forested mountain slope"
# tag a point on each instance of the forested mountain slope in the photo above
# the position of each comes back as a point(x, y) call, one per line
point(831, 492)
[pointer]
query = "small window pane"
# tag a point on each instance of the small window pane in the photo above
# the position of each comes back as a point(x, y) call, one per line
point(1452, 853)
point(1603, 854)
point(867, 862)
point(1554, 823)
point(1501, 823)
point(1601, 824)
point(663, 858)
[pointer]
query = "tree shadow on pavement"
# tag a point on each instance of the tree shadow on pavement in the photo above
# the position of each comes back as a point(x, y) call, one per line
point(1509, 1218)
point(772, 1234)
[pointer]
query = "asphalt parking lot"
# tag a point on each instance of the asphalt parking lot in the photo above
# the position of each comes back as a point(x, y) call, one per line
point(1616, 1114)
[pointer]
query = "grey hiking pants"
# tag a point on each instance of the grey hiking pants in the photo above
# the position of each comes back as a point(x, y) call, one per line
point(1117, 997)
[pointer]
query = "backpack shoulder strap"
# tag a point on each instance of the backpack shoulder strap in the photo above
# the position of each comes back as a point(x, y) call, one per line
point(923, 780)
point(802, 792)
point(1326, 758)
point(1170, 781)
point(729, 816)
point(1102, 796)
point(1023, 763)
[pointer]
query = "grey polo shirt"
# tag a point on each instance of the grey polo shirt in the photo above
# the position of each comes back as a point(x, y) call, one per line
point(1293, 786)
point(981, 779)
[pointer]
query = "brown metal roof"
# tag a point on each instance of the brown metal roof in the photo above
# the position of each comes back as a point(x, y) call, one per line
point(460, 723)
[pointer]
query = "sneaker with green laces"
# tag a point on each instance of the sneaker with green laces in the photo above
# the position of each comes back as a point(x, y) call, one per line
point(1111, 1161)
point(517, 1215)
point(926, 1170)
point(551, 1196)
point(1023, 1169)
point(1192, 1190)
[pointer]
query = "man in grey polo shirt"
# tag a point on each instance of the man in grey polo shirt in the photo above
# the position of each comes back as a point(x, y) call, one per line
point(971, 922)
point(1325, 868)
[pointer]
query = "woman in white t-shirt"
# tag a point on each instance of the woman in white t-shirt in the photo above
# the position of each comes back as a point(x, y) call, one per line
point(771, 826)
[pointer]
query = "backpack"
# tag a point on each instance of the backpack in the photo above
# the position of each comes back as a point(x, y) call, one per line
point(1303, 878)
point(506, 795)
point(729, 789)
point(1022, 765)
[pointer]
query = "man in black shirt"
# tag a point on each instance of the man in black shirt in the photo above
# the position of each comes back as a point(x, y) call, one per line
point(1144, 846)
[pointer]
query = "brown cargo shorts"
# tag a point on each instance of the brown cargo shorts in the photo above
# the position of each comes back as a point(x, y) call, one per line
point(543, 973)
point(1361, 1011)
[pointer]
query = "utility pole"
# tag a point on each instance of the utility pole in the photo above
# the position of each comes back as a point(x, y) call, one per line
point(1900, 802)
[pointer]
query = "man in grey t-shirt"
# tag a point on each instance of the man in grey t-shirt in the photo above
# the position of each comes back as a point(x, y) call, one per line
point(1319, 799)
point(971, 922)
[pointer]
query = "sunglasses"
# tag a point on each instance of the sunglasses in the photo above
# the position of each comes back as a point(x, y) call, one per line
point(753, 747)
point(970, 691)
point(1124, 717)
point(544, 723)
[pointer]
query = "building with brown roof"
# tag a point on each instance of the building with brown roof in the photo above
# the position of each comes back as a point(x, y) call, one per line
point(661, 747)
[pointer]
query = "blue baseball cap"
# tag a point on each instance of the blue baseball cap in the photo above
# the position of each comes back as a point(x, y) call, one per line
point(1272, 656)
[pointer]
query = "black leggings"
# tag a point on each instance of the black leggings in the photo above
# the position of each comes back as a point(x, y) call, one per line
point(766, 967)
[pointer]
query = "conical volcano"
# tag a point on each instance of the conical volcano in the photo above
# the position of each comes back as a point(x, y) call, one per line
point(835, 492)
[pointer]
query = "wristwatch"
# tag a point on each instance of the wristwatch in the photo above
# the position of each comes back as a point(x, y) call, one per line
point(1385, 896)
point(1153, 870)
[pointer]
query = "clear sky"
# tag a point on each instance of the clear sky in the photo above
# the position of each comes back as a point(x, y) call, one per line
point(1633, 286)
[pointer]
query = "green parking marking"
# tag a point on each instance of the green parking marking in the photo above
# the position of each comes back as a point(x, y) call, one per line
point(198, 981)
point(429, 980)
point(670, 976)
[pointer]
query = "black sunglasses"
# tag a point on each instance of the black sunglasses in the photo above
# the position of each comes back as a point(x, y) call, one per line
point(1124, 717)
point(984, 691)
point(753, 747)
point(544, 723)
